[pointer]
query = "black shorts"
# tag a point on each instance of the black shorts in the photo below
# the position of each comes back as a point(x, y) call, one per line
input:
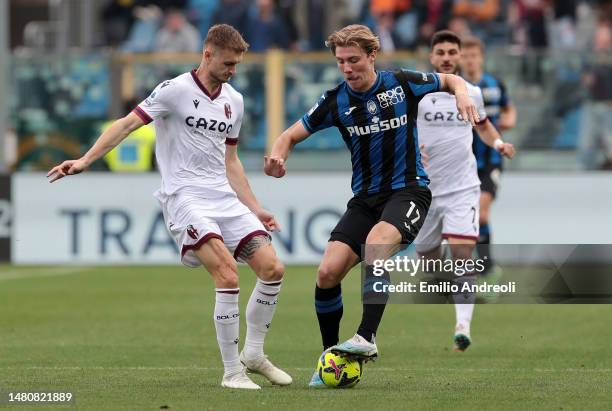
point(405, 209)
point(489, 179)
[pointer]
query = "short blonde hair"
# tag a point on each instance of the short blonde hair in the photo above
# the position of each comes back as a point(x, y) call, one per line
point(474, 42)
point(224, 36)
point(353, 35)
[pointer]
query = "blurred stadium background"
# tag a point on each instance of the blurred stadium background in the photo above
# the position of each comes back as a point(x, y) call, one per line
point(67, 67)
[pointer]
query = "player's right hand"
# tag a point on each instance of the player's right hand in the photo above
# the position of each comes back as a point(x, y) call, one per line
point(67, 168)
point(274, 166)
point(467, 108)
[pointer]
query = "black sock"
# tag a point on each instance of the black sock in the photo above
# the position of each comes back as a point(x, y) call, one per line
point(484, 247)
point(372, 313)
point(328, 304)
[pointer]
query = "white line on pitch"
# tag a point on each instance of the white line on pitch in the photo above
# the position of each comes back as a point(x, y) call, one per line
point(370, 369)
point(44, 272)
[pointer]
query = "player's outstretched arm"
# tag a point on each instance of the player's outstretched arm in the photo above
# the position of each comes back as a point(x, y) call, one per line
point(110, 138)
point(274, 164)
point(240, 184)
point(465, 105)
point(491, 137)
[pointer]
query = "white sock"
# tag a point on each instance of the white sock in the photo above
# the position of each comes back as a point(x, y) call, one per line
point(259, 313)
point(464, 302)
point(227, 324)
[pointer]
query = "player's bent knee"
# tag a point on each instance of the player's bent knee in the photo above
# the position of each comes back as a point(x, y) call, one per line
point(227, 280)
point(225, 274)
point(273, 271)
point(328, 277)
point(278, 271)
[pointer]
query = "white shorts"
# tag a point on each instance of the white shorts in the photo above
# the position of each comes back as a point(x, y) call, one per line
point(450, 215)
point(192, 221)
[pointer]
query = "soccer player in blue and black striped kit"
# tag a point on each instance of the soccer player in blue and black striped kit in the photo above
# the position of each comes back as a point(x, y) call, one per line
point(375, 112)
point(502, 114)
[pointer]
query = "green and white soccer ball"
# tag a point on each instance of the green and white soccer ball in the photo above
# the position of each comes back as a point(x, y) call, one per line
point(339, 372)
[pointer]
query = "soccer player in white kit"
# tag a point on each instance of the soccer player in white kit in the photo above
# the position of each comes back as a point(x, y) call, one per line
point(446, 139)
point(207, 202)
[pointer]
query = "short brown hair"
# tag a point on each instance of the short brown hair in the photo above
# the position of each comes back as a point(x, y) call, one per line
point(473, 42)
point(353, 35)
point(444, 36)
point(225, 36)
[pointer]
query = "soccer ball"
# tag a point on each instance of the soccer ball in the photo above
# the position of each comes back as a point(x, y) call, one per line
point(338, 372)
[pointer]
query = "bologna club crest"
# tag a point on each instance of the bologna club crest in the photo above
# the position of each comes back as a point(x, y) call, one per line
point(192, 232)
point(228, 111)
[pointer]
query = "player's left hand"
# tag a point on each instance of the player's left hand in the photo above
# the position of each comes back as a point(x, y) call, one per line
point(274, 166)
point(268, 220)
point(506, 150)
point(467, 108)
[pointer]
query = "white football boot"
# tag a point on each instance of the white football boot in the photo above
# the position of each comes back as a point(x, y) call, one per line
point(239, 380)
point(357, 346)
point(263, 366)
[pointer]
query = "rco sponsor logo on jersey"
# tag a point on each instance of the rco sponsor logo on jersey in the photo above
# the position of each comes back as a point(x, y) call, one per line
point(148, 100)
point(391, 97)
point(443, 116)
point(384, 125)
point(208, 124)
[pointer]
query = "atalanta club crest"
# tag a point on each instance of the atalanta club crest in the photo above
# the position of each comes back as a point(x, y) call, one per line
point(372, 107)
point(228, 111)
point(192, 232)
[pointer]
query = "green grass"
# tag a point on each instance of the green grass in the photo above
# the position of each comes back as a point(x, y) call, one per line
point(130, 338)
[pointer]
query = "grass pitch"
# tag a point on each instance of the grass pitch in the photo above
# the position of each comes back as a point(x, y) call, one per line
point(131, 338)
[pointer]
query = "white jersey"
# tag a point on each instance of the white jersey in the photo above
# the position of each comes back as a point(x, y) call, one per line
point(448, 141)
point(192, 128)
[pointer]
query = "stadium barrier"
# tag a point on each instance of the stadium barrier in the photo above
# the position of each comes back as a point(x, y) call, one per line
point(101, 218)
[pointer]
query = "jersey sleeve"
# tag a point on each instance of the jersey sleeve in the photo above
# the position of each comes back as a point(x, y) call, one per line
point(319, 116)
point(420, 83)
point(504, 100)
point(159, 103)
point(232, 137)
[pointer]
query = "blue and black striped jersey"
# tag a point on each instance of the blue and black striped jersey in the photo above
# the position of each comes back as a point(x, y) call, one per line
point(495, 99)
point(379, 128)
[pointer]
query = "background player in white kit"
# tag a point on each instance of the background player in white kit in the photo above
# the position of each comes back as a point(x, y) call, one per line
point(207, 202)
point(446, 138)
